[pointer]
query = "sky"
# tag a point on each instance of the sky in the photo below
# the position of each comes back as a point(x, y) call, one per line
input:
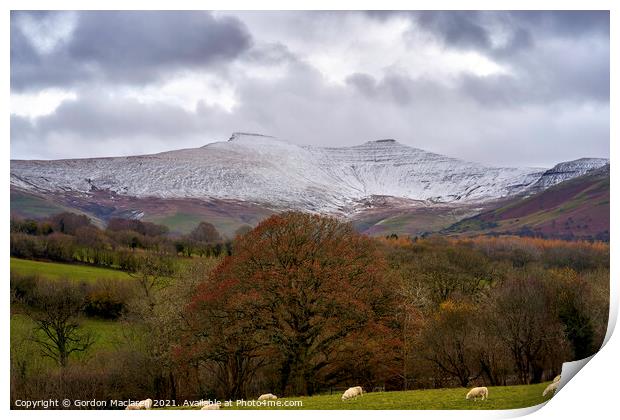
point(502, 88)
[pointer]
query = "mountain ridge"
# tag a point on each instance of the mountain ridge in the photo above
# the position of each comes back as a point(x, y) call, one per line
point(577, 208)
point(262, 169)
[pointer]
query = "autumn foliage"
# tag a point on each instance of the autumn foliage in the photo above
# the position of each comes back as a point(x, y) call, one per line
point(305, 296)
point(303, 304)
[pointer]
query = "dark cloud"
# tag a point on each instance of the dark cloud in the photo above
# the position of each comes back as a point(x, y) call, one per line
point(459, 28)
point(551, 103)
point(133, 47)
point(521, 29)
point(550, 56)
point(565, 72)
point(564, 23)
point(301, 108)
point(468, 30)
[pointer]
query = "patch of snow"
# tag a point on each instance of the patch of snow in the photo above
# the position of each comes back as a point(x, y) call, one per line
point(263, 169)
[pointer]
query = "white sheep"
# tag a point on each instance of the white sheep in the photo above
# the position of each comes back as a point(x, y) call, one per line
point(146, 404)
point(552, 387)
point(141, 405)
point(480, 391)
point(557, 378)
point(211, 406)
point(353, 392)
point(267, 397)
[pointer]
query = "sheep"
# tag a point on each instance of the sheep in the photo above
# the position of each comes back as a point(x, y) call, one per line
point(141, 405)
point(146, 404)
point(267, 397)
point(557, 378)
point(552, 387)
point(480, 391)
point(211, 406)
point(352, 392)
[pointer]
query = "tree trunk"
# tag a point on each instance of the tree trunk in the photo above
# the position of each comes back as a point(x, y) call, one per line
point(173, 387)
point(285, 374)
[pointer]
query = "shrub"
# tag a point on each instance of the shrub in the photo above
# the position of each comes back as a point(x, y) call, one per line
point(104, 303)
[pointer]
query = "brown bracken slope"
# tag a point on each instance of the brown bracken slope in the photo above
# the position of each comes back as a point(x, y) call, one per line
point(574, 209)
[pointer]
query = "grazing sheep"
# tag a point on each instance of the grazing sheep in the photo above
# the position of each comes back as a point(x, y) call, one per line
point(141, 405)
point(353, 392)
point(552, 387)
point(267, 397)
point(211, 406)
point(480, 391)
point(557, 378)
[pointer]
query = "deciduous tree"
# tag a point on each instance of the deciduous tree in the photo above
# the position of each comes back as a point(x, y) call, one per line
point(300, 286)
point(58, 306)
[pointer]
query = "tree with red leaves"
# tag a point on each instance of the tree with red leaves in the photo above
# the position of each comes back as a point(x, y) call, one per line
point(304, 293)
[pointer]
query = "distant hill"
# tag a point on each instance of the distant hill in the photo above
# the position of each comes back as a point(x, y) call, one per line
point(574, 209)
point(382, 186)
point(279, 175)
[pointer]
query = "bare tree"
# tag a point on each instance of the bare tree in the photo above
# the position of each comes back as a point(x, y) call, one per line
point(526, 321)
point(56, 314)
point(448, 341)
point(152, 272)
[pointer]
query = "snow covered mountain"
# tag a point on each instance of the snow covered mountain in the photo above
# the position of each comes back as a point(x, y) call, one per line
point(271, 172)
point(567, 170)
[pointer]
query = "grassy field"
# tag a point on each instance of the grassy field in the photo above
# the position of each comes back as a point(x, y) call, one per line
point(28, 205)
point(32, 207)
point(184, 223)
point(107, 335)
point(500, 398)
point(178, 222)
point(55, 271)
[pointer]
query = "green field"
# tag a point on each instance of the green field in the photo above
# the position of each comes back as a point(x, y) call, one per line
point(107, 335)
point(178, 222)
point(30, 206)
point(184, 223)
point(55, 271)
point(500, 398)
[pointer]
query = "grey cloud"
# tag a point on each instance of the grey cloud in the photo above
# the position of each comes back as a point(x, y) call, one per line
point(532, 116)
point(273, 53)
point(365, 83)
point(566, 23)
point(301, 108)
point(569, 72)
point(399, 89)
point(133, 47)
point(473, 29)
point(97, 116)
point(458, 28)
point(467, 30)
point(550, 56)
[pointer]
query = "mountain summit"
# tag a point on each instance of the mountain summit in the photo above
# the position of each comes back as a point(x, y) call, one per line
point(262, 169)
point(236, 136)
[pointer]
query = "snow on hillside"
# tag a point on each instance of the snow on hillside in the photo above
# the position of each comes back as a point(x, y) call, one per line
point(567, 170)
point(266, 170)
